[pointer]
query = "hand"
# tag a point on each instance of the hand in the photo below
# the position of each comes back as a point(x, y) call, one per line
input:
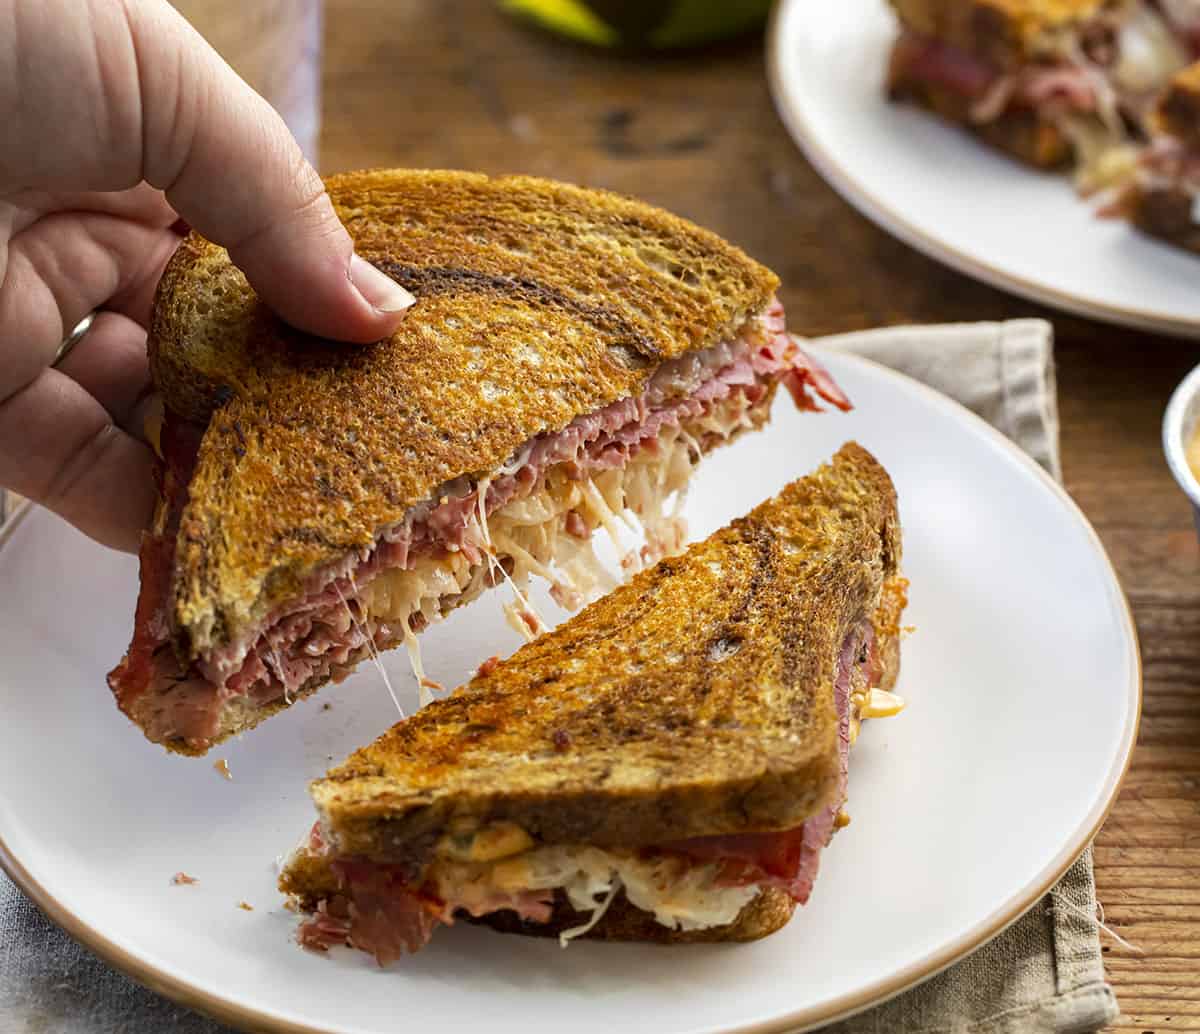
point(119, 119)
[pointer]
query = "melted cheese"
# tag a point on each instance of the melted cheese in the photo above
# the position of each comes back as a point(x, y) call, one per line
point(528, 536)
point(1148, 52)
point(679, 894)
point(489, 844)
point(369, 639)
point(1102, 159)
point(874, 703)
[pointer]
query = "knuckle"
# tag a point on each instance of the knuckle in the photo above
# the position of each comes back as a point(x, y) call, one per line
point(89, 455)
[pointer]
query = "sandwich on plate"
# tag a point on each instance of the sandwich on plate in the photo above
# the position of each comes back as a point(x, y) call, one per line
point(1162, 196)
point(570, 356)
point(1055, 83)
point(666, 766)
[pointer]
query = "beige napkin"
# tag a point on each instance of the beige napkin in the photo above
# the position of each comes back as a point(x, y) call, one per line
point(1043, 974)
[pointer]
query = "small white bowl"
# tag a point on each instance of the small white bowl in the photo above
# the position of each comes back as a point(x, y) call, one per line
point(1179, 425)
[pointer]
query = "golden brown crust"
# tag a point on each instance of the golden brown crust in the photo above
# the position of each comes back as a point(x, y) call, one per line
point(1003, 33)
point(238, 714)
point(536, 302)
point(696, 700)
point(308, 879)
point(1178, 112)
point(763, 915)
point(1020, 134)
point(888, 631)
point(1164, 213)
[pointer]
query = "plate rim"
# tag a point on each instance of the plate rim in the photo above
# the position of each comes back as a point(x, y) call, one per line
point(248, 1017)
point(894, 222)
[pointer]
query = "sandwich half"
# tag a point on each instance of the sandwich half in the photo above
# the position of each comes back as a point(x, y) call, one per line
point(1055, 83)
point(665, 766)
point(570, 356)
point(1162, 195)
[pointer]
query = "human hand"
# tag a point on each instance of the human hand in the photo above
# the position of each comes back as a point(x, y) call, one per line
point(118, 120)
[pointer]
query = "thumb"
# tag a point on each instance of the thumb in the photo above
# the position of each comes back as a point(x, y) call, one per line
point(232, 170)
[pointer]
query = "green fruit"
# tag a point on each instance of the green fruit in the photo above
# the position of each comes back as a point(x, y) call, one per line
point(569, 17)
point(634, 22)
point(643, 23)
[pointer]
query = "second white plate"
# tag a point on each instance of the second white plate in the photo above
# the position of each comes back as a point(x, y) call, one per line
point(1023, 684)
point(945, 193)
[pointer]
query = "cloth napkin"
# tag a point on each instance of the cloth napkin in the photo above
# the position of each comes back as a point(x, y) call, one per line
point(1043, 974)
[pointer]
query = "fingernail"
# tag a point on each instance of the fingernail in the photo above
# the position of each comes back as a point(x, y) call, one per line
point(379, 289)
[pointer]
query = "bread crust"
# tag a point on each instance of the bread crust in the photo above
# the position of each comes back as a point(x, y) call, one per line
point(1003, 33)
point(695, 700)
point(1178, 112)
point(1163, 210)
point(1165, 213)
point(536, 302)
point(1021, 134)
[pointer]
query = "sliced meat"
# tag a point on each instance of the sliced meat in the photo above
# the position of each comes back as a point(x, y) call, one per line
point(1057, 86)
point(149, 664)
point(377, 911)
point(383, 916)
point(918, 58)
point(322, 930)
point(1068, 85)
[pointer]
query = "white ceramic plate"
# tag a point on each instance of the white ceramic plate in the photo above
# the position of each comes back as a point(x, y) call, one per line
point(1022, 633)
point(942, 191)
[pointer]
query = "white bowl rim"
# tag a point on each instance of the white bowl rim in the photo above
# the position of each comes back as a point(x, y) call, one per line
point(1174, 445)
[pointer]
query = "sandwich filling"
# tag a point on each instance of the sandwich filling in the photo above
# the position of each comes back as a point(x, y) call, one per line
point(1094, 82)
point(1164, 187)
point(391, 907)
point(628, 463)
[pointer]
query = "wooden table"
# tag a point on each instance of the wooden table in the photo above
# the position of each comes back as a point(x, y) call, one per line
point(451, 83)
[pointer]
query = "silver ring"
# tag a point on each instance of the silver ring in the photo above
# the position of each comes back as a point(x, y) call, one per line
point(72, 339)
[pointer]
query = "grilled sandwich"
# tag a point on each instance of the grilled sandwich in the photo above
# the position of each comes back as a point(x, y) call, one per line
point(1162, 195)
point(570, 356)
point(666, 766)
point(1055, 83)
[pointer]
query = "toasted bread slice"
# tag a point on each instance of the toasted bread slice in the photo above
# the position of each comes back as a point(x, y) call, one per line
point(536, 302)
point(1165, 212)
point(1003, 33)
point(1021, 134)
point(1178, 110)
point(695, 700)
point(1161, 198)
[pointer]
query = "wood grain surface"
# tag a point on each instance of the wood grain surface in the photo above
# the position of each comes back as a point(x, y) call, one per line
point(452, 83)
